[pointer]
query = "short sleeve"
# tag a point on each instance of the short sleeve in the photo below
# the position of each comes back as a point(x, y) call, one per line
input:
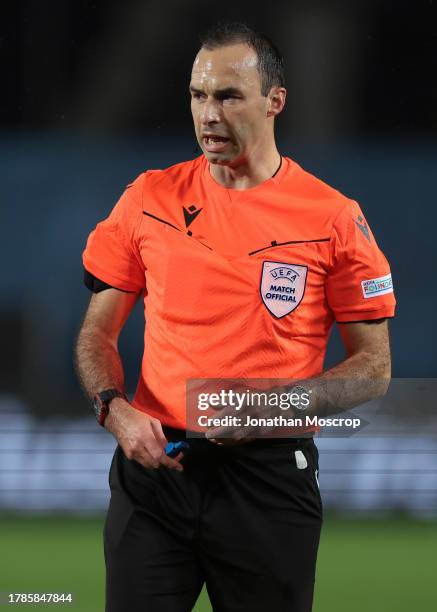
point(111, 253)
point(359, 285)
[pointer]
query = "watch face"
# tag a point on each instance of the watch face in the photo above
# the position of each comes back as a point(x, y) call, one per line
point(97, 403)
point(302, 403)
point(100, 409)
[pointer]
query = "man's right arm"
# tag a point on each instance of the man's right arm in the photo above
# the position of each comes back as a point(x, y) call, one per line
point(99, 367)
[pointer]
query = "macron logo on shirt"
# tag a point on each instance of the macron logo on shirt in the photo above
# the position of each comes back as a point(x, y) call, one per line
point(190, 214)
point(362, 225)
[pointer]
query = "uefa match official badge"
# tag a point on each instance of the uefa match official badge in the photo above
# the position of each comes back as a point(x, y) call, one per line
point(282, 286)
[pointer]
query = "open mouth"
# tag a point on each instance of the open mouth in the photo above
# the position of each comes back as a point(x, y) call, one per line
point(214, 144)
point(213, 139)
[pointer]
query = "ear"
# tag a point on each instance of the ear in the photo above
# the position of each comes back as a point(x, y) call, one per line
point(276, 101)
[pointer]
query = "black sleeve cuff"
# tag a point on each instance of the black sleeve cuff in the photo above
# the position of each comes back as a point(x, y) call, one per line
point(96, 285)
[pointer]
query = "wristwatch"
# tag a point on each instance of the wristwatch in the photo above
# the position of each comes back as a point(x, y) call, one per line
point(101, 403)
point(303, 395)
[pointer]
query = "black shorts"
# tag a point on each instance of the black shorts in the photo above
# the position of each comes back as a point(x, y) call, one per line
point(244, 520)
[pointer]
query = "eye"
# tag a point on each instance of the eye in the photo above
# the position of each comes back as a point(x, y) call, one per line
point(230, 97)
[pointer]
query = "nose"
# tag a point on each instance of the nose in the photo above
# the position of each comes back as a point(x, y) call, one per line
point(210, 112)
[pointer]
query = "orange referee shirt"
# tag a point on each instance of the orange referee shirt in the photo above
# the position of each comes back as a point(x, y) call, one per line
point(237, 284)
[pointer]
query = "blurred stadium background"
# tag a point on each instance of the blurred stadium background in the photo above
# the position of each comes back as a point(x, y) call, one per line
point(96, 92)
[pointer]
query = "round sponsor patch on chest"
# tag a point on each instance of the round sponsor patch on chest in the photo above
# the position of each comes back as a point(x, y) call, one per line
point(282, 286)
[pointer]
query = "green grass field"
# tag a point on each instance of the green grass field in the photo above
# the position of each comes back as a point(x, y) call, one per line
point(364, 565)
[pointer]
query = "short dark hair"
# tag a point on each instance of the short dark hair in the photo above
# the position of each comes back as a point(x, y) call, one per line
point(270, 61)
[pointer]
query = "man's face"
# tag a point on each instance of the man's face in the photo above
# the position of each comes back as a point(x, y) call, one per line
point(229, 112)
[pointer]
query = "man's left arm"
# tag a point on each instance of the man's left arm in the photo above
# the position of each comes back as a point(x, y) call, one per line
point(359, 290)
point(362, 376)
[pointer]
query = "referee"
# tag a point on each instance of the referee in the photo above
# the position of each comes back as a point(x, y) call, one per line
point(244, 261)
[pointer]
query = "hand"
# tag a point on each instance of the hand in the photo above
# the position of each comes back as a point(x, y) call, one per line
point(140, 436)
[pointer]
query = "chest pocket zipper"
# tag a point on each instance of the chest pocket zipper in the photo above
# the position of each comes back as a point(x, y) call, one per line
point(274, 244)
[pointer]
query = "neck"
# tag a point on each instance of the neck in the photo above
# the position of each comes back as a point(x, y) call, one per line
point(251, 172)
